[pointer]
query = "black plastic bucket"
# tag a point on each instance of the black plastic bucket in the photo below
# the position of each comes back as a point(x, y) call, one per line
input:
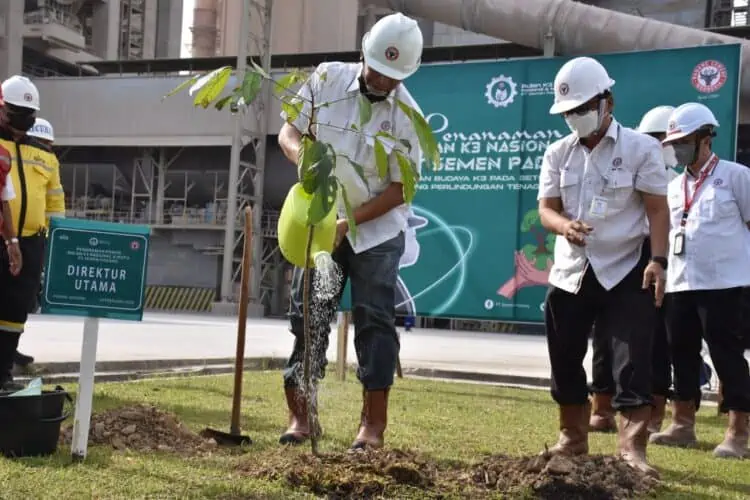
point(30, 425)
point(43, 440)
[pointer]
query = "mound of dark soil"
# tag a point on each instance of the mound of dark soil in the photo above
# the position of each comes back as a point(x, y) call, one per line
point(590, 477)
point(142, 428)
point(400, 474)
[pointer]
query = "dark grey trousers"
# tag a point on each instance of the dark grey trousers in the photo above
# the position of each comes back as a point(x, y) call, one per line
point(373, 275)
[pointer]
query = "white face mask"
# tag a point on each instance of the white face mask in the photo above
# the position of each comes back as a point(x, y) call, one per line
point(584, 125)
point(670, 159)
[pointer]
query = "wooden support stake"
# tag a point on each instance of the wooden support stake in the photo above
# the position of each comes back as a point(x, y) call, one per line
point(239, 358)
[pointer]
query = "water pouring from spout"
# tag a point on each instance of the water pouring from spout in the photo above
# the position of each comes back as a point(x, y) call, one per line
point(327, 276)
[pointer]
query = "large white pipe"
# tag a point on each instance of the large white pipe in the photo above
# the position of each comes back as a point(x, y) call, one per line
point(577, 28)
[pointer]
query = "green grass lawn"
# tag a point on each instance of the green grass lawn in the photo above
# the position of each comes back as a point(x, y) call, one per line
point(440, 419)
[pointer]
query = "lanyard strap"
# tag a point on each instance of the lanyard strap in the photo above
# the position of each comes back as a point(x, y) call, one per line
point(689, 200)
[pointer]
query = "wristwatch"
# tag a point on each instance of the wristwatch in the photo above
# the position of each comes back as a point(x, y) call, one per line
point(662, 261)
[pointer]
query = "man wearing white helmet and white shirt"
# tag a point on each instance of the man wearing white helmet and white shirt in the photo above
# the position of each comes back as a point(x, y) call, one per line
point(653, 123)
point(391, 52)
point(708, 268)
point(597, 188)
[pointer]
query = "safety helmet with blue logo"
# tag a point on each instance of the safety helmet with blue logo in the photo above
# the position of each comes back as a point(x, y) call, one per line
point(42, 129)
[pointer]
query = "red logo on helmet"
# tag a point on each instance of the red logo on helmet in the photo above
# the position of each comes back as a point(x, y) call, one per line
point(28, 97)
point(709, 76)
point(391, 53)
point(564, 89)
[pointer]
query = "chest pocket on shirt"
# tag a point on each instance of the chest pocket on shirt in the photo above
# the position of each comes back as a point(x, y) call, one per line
point(674, 201)
point(717, 204)
point(570, 192)
point(619, 188)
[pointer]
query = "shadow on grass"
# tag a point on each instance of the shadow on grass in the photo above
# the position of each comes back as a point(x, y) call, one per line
point(211, 481)
point(494, 395)
point(227, 393)
point(680, 477)
point(711, 420)
point(194, 416)
point(96, 458)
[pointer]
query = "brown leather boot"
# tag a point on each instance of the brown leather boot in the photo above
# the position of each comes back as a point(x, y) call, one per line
point(736, 437)
point(657, 413)
point(633, 438)
point(574, 431)
point(602, 415)
point(374, 420)
point(681, 432)
point(299, 429)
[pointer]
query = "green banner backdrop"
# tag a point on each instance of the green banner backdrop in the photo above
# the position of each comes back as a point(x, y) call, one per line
point(475, 247)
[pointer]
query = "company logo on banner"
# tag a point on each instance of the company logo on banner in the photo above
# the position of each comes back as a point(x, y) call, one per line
point(709, 76)
point(501, 91)
point(475, 245)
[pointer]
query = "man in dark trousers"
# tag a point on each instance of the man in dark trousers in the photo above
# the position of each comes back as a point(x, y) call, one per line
point(708, 268)
point(653, 123)
point(392, 52)
point(597, 188)
point(42, 131)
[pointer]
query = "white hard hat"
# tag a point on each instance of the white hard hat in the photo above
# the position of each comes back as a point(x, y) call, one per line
point(688, 118)
point(19, 91)
point(578, 81)
point(42, 129)
point(393, 47)
point(656, 121)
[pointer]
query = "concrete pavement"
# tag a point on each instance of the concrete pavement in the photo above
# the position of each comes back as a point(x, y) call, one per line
point(193, 340)
point(57, 339)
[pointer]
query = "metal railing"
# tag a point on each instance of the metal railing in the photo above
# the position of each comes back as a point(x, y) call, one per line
point(196, 218)
point(57, 13)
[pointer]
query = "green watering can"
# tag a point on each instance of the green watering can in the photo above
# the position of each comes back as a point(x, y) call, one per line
point(292, 228)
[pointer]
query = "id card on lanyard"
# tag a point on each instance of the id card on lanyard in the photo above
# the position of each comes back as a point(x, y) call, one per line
point(678, 248)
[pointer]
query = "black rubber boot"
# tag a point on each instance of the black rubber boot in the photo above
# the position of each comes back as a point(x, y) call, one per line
point(22, 360)
point(8, 346)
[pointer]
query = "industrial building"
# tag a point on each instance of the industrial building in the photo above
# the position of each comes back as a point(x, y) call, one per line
point(129, 156)
point(57, 37)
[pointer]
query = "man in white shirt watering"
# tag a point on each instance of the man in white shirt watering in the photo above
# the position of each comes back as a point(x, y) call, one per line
point(597, 187)
point(708, 267)
point(392, 52)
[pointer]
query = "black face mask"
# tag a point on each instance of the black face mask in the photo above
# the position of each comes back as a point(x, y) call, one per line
point(22, 123)
point(370, 96)
point(21, 119)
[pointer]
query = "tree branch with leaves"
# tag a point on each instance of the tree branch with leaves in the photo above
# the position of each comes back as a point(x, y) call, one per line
point(316, 165)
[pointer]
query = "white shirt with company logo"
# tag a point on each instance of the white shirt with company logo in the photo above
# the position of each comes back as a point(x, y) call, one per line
point(716, 238)
point(621, 167)
point(337, 83)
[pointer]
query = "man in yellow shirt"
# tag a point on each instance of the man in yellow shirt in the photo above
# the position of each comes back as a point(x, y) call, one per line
point(43, 131)
point(35, 173)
